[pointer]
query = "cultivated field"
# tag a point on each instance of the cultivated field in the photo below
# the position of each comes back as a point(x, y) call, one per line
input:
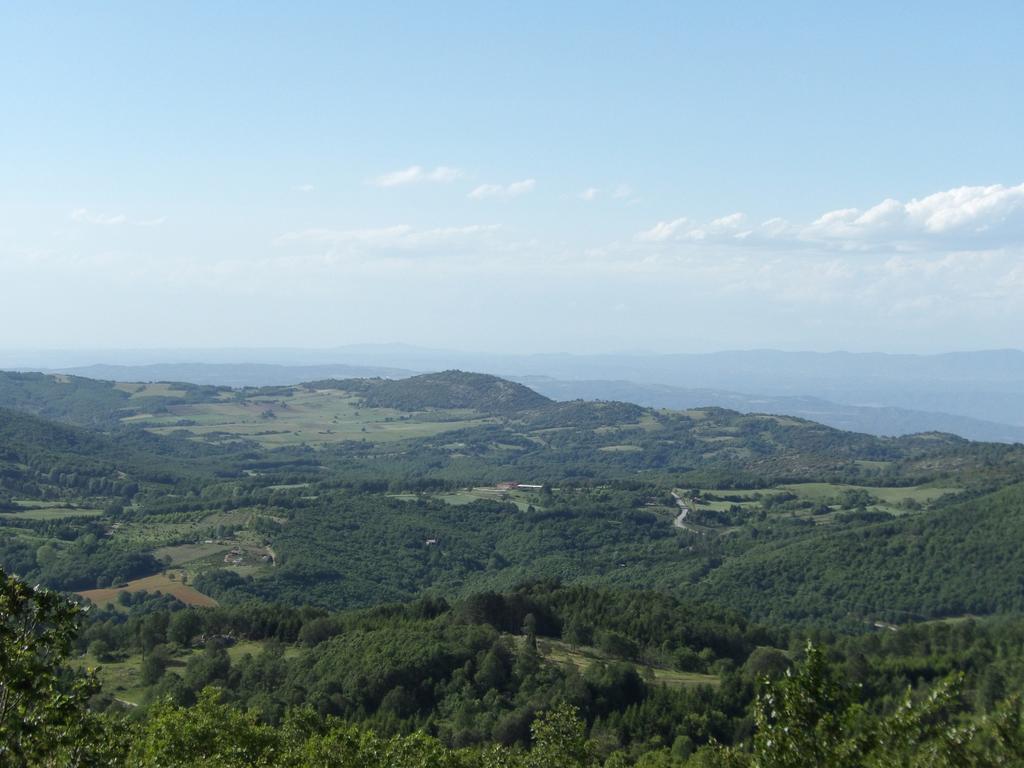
point(158, 583)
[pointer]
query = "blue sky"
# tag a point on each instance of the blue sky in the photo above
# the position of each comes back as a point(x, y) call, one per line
point(536, 176)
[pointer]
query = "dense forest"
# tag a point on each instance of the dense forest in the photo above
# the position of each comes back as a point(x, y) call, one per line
point(428, 683)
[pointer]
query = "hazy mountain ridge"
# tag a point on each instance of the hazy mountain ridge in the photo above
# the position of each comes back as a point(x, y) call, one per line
point(874, 420)
point(234, 374)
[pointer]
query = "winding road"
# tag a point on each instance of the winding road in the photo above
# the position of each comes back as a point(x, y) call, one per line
point(683, 511)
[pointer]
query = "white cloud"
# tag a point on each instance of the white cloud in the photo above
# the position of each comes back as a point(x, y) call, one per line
point(964, 217)
point(515, 189)
point(151, 222)
point(725, 226)
point(622, 192)
point(992, 213)
point(304, 188)
point(416, 174)
point(588, 194)
point(662, 231)
point(83, 216)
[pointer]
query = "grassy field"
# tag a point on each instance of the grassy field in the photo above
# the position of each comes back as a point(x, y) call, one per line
point(823, 492)
point(312, 417)
point(44, 510)
point(180, 554)
point(557, 652)
point(118, 678)
point(139, 390)
point(255, 647)
point(157, 583)
point(889, 499)
point(153, 533)
point(522, 499)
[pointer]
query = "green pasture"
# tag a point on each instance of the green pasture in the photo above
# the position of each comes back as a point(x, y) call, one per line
point(824, 492)
point(118, 678)
point(121, 677)
point(181, 554)
point(138, 390)
point(581, 657)
point(157, 533)
point(44, 510)
point(522, 499)
point(312, 417)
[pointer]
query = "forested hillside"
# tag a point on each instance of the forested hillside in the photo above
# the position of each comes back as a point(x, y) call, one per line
point(445, 391)
point(963, 558)
point(507, 680)
point(463, 558)
point(90, 402)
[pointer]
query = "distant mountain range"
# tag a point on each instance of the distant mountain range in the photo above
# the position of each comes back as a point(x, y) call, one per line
point(874, 420)
point(234, 374)
point(978, 395)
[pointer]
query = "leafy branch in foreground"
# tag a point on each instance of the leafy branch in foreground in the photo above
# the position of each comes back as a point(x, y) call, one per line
point(44, 715)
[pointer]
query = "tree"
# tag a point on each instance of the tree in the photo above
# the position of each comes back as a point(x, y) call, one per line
point(577, 633)
point(210, 666)
point(210, 733)
point(559, 740)
point(811, 717)
point(183, 626)
point(153, 666)
point(44, 716)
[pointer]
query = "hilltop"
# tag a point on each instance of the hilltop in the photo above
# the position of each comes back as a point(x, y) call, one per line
point(450, 390)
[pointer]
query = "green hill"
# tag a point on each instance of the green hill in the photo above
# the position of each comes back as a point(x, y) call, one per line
point(91, 402)
point(446, 390)
point(963, 558)
point(72, 399)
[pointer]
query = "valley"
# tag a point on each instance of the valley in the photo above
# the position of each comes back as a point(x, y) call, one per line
point(275, 541)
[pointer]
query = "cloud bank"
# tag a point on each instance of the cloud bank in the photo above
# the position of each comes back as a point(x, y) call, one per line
point(987, 217)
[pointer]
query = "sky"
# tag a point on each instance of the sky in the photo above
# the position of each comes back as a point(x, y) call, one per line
point(524, 176)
